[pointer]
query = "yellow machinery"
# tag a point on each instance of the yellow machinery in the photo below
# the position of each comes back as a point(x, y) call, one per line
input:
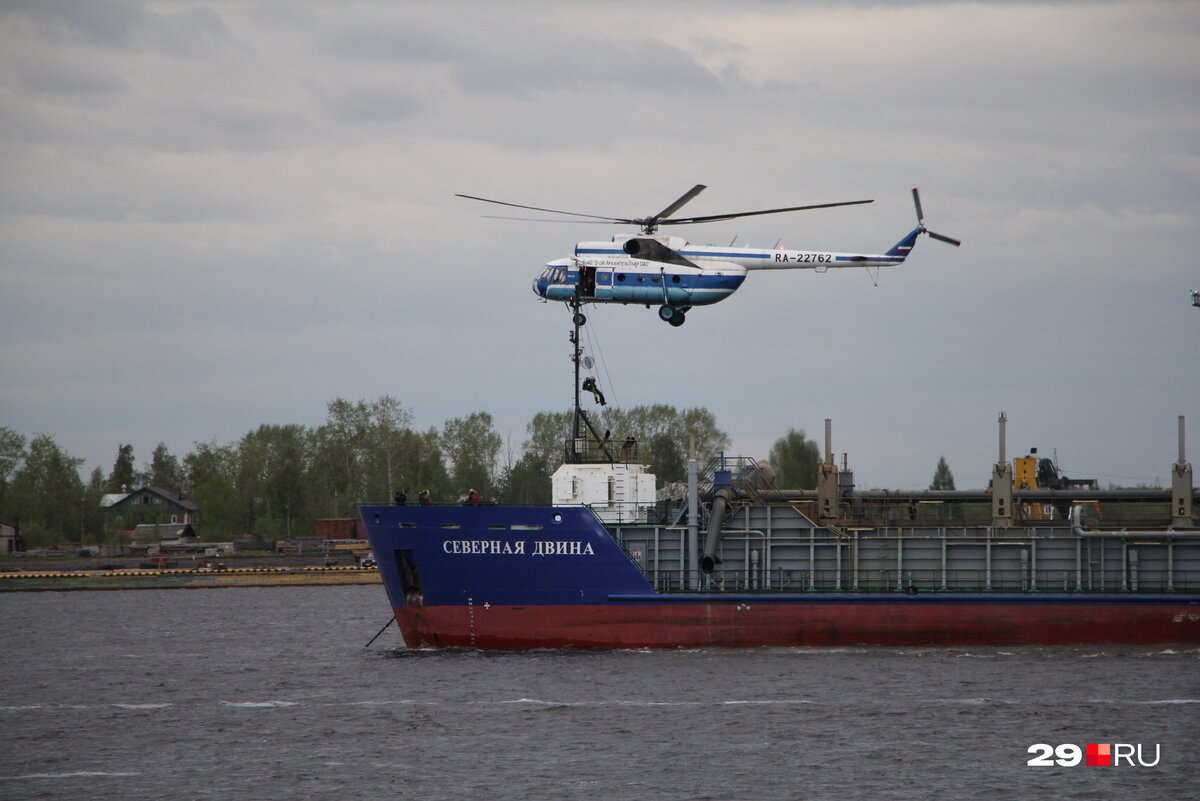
point(1025, 477)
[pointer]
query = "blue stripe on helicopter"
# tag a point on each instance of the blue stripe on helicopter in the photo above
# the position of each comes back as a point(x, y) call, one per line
point(708, 254)
point(708, 282)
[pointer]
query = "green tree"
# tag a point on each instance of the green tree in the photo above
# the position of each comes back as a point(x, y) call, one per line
point(272, 463)
point(47, 495)
point(943, 479)
point(209, 460)
point(123, 476)
point(217, 508)
point(386, 446)
point(666, 456)
point(368, 451)
point(210, 474)
point(424, 466)
point(164, 470)
point(93, 514)
point(473, 447)
point(795, 459)
point(341, 443)
point(663, 433)
point(12, 454)
point(701, 424)
point(12, 451)
point(547, 443)
point(526, 480)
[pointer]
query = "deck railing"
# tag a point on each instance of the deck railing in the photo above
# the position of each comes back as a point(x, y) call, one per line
point(1039, 582)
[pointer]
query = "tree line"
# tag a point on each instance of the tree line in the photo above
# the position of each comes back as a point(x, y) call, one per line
point(273, 481)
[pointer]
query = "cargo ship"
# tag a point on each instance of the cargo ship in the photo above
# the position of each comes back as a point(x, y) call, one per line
point(1035, 558)
point(732, 560)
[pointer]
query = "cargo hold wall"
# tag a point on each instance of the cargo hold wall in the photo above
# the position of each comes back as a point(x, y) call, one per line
point(776, 548)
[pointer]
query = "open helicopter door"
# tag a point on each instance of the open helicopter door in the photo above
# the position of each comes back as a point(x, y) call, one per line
point(587, 282)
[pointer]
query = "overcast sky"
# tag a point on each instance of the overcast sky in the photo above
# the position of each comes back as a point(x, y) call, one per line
point(217, 215)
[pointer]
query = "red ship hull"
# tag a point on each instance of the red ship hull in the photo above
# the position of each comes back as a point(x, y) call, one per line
point(817, 622)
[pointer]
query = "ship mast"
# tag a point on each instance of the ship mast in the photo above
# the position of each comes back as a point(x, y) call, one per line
point(580, 448)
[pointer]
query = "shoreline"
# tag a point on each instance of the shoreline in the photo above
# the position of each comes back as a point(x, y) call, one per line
point(61, 578)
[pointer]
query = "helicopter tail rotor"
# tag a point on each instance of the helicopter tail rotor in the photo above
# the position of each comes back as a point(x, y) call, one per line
point(921, 222)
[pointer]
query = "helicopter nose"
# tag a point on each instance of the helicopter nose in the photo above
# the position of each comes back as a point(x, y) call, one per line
point(537, 290)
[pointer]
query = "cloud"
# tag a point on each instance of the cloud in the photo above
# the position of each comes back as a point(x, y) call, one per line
point(121, 25)
point(214, 216)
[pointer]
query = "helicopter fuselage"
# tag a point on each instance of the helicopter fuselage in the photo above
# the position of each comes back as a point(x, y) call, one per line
point(681, 275)
point(668, 271)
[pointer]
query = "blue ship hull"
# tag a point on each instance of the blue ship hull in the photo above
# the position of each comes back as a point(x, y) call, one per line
point(550, 577)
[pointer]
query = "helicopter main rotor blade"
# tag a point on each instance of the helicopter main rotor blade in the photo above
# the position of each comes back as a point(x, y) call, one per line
point(716, 217)
point(650, 224)
point(678, 204)
point(598, 221)
point(624, 220)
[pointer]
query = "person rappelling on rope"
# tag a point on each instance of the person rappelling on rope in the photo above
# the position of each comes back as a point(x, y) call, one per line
point(589, 385)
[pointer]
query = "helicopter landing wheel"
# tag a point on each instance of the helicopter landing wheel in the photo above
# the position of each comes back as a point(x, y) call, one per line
point(579, 319)
point(667, 314)
point(677, 319)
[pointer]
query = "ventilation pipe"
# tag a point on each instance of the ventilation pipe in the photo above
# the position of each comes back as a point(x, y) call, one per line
point(827, 479)
point(716, 517)
point(1002, 484)
point(1181, 487)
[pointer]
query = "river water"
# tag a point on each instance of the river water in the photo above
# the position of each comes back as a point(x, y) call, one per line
point(269, 693)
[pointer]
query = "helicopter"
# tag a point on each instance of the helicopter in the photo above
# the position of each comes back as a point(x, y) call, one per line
point(667, 271)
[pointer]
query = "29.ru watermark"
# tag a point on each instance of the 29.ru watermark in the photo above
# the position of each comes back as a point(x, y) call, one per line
point(1069, 755)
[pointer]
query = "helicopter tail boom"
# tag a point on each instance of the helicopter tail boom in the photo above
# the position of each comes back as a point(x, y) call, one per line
point(901, 249)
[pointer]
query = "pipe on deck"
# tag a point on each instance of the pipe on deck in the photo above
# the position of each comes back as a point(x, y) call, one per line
point(716, 517)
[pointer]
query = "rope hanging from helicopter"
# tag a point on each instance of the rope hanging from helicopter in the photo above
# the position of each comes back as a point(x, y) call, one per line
point(589, 364)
